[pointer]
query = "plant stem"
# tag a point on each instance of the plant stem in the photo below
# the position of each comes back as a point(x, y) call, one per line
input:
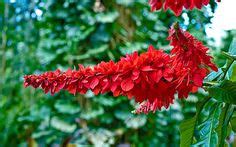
point(210, 83)
point(231, 57)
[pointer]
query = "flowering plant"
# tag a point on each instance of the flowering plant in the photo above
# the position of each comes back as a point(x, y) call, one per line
point(154, 77)
point(161, 74)
point(177, 5)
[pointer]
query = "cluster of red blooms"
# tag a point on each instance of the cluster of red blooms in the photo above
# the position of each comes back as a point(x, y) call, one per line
point(151, 78)
point(189, 59)
point(177, 5)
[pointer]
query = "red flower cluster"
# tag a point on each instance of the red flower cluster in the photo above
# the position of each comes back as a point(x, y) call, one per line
point(177, 5)
point(190, 61)
point(152, 78)
point(147, 77)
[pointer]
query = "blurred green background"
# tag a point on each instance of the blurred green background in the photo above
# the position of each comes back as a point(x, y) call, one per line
point(41, 35)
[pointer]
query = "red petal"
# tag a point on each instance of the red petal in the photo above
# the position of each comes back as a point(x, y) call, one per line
point(127, 85)
point(194, 89)
point(96, 90)
point(147, 68)
point(72, 90)
point(115, 77)
point(135, 74)
point(94, 83)
point(197, 80)
point(116, 93)
point(156, 76)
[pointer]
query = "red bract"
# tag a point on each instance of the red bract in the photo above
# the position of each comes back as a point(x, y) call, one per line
point(177, 5)
point(151, 78)
point(188, 50)
point(190, 60)
point(147, 78)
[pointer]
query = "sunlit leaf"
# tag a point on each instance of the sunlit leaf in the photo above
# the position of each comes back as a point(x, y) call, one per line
point(90, 114)
point(208, 120)
point(213, 76)
point(186, 131)
point(224, 92)
point(232, 48)
point(41, 134)
point(67, 107)
point(233, 122)
point(101, 137)
point(201, 129)
point(107, 17)
point(136, 121)
point(62, 125)
point(222, 129)
point(125, 2)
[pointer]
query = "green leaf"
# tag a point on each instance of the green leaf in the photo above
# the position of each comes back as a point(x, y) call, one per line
point(232, 48)
point(200, 130)
point(233, 69)
point(101, 137)
point(1, 7)
point(125, 2)
point(91, 114)
point(186, 131)
point(213, 76)
point(224, 92)
point(91, 52)
point(41, 134)
point(108, 101)
point(187, 127)
point(132, 47)
point(67, 107)
point(222, 129)
point(136, 121)
point(233, 122)
point(62, 125)
point(107, 17)
point(205, 130)
point(78, 33)
point(122, 115)
point(230, 74)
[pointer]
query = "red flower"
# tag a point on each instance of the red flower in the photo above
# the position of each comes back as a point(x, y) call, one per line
point(147, 78)
point(177, 5)
point(190, 61)
point(151, 78)
point(188, 50)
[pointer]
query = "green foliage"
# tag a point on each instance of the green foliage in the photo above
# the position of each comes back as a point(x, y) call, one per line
point(232, 48)
point(214, 75)
point(224, 92)
point(233, 122)
point(223, 129)
point(211, 125)
point(207, 122)
point(200, 130)
point(187, 130)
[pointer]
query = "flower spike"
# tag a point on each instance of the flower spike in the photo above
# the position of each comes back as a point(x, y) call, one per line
point(151, 78)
